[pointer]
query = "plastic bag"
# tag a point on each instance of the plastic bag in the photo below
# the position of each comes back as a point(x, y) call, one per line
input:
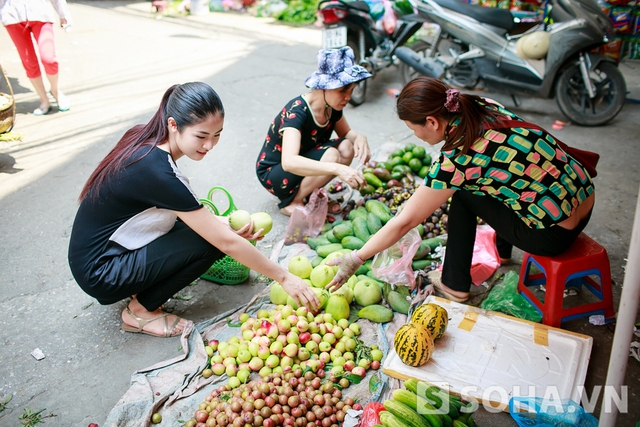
point(393, 265)
point(376, 9)
point(389, 20)
point(485, 260)
point(539, 412)
point(307, 221)
point(371, 414)
point(504, 297)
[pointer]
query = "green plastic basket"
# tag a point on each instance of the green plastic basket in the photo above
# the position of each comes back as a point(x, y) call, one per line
point(226, 270)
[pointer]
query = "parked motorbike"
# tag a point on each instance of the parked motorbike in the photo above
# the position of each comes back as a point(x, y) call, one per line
point(477, 48)
point(350, 23)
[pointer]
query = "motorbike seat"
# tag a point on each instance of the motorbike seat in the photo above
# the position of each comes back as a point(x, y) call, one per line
point(358, 5)
point(500, 18)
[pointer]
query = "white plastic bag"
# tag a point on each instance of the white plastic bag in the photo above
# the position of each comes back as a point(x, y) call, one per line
point(307, 221)
point(393, 265)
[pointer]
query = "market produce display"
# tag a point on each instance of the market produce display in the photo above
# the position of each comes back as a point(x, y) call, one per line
point(289, 366)
point(414, 342)
point(304, 360)
point(390, 184)
point(423, 405)
point(294, 399)
point(363, 290)
point(433, 317)
point(286, 339)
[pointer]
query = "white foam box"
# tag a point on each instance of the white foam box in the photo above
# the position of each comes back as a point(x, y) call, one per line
point(490, 357)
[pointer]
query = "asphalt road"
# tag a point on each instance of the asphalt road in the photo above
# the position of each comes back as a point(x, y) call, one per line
point(115, 65)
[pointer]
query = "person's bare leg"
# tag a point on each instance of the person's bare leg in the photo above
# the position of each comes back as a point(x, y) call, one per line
point(458, 294)
point(38, 85)
point(64, 103)
point(53, 81)
point(310, 183)
point(157, 326)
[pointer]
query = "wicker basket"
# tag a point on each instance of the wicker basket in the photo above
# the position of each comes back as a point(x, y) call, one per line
point(7, 104)
point(226, 271)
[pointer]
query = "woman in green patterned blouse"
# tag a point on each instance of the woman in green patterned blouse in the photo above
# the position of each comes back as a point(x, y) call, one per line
point(492, 165)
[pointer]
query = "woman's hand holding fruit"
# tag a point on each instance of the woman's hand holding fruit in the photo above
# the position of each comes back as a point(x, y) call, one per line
point(347, 264)
point(300, 292)
point(351, 177)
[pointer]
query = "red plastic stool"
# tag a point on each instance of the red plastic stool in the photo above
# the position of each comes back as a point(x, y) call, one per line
point(572, 268)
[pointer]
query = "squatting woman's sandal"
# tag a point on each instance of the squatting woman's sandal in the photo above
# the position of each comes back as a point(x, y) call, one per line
point(143, 322)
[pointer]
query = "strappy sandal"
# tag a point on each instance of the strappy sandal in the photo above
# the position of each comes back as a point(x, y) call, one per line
point(143, 322)
point(42, 111)
point(435, 278)
point(64, 103)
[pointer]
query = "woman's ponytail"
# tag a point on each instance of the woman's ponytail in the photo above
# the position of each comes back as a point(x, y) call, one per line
point(188, 104)
point(426, 96)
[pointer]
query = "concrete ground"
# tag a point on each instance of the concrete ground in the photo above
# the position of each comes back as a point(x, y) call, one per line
point(115, 65)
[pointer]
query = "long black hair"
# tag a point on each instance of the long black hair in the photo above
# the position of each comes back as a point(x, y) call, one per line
point(188, 104)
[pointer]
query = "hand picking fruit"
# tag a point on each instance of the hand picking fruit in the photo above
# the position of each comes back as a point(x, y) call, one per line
point(126, 240)
point(485, 176)
point(347, 265)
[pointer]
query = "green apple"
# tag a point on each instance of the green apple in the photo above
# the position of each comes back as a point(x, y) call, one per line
point(243, 375)
point(367, 292)
point(323, 297)
point(337, 307)
point(300, 266)
point(376, 354)
point(239, 219)
point(277, 294)
point(256, 364)
point(218, 368)
point(347, 292)
point(321, 276)
point(272, 361)
point(332, 256)
point(355, 328)
point(234, 382)
point(265, 371)
point(324, 346)
point(262, 220)
point(244, 356)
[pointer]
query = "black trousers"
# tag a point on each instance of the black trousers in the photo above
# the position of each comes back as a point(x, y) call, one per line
point(164, 267)
point(510, 230)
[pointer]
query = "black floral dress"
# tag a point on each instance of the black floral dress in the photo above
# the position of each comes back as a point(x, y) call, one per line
point(315, 140)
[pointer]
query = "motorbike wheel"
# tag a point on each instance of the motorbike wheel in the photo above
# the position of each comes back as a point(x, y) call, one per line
point(407, 72)
point(358, 95)
point(574, 101)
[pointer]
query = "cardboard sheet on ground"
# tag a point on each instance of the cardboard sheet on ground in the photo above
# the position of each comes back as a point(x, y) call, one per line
point(175, 388)
point(490, 357)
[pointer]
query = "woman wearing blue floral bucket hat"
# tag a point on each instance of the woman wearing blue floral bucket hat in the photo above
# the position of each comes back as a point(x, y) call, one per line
point(299, 154)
